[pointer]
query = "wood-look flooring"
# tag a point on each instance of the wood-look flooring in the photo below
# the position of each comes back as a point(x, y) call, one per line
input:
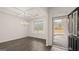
point(25, 44)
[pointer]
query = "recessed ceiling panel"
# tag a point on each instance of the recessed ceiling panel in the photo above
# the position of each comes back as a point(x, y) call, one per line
point(24, 8)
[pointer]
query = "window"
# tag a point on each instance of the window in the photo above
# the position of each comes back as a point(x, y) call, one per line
point(38, 26)
point(58, 26)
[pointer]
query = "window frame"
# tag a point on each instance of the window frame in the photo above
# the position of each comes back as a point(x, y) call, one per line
point(33, 26)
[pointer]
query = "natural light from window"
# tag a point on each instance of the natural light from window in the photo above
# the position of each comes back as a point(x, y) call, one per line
point(58, 26)
point(38, 26)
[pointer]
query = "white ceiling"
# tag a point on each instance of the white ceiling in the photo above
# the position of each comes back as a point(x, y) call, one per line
point(60, 11)
point(24, 8)
point(34, 12)
point(24, 12)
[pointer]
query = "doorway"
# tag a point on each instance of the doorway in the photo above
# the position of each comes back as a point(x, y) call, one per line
point(59, 32)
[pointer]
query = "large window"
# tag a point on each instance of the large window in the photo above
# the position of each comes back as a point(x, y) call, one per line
point(38, 26)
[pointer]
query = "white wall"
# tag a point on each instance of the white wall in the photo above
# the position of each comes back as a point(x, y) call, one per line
point(45, 17)
point(11, 27)
point(55, 12)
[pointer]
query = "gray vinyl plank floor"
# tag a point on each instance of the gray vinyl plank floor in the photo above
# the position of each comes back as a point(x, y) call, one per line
point(25, 44)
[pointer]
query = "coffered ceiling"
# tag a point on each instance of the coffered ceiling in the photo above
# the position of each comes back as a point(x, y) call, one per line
point(25, 12)
point(30, 13)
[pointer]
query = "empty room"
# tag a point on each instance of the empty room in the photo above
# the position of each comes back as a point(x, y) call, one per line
point(39, 29)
